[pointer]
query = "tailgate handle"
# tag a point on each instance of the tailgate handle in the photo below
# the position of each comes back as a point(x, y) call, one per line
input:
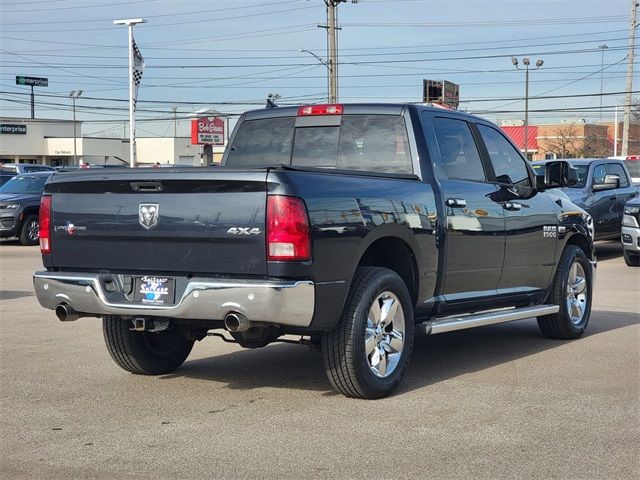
point(146, 186)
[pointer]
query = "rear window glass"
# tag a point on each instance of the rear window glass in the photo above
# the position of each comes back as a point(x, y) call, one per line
point(261, 143)
point(376, 143)
point(25, 184)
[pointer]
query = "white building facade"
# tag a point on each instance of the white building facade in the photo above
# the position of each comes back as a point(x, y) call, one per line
point(51, 142)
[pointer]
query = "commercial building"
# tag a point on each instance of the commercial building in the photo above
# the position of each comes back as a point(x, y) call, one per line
point(51, 142)
point(571, 139)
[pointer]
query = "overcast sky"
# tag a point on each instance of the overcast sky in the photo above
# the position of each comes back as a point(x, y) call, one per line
point(230, 54)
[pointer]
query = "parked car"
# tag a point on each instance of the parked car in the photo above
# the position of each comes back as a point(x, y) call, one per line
point(632, 162)
point(631, 232)
point(602, 189)
point(10, 170)
point(353, 225)
point(20, 204)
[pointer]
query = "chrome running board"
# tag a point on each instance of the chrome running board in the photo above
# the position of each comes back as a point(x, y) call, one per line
point(450, 324)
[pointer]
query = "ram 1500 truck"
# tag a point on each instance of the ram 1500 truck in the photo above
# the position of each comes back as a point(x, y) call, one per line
point(354, 226)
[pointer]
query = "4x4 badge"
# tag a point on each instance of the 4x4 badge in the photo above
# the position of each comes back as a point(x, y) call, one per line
point(148, 214)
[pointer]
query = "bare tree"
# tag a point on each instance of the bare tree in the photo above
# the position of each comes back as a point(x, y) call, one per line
point(635, 110)
point(565, 142)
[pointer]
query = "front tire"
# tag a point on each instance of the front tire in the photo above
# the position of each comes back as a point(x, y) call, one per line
point(367, 354)
point(572, 291)
point(631, 260)
point(29, 230)
point(144, 353)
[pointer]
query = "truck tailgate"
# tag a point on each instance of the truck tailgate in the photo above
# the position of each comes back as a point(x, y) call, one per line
point(169, 221)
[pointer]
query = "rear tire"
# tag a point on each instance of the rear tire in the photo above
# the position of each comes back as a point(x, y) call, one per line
point(571, 290)
point(367, 354)
point(29, 230)
point(144, 353)
point(631, 260)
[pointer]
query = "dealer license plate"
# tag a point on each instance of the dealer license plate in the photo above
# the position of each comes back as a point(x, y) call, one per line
point(154, 290)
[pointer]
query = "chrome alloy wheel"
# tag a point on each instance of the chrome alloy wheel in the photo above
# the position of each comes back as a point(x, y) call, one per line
point(384, 335)
point(577, 295)
point(33, 230)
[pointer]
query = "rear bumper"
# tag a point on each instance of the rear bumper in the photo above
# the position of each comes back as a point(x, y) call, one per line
point(277, 302)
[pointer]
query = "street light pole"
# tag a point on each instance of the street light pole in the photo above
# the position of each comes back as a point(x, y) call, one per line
point(526, 62)
point(602, 47)
point(74, 94)
point(302, 50)
point(130, 22)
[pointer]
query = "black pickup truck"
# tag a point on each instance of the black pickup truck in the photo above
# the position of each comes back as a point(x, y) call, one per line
point(353, 226)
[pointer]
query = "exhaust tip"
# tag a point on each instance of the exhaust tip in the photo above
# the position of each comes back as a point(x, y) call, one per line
point(65, 313)
point(236, 322)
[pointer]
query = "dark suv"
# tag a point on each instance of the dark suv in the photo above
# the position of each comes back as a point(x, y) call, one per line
point(19, 206)
point(603, 188)
point(10, 170)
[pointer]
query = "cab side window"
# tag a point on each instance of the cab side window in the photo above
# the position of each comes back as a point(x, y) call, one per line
point(616, 169)
point(507, 162)
point(458, 150)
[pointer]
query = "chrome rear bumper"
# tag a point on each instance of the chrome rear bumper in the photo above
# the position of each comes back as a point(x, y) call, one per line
point(278, 302)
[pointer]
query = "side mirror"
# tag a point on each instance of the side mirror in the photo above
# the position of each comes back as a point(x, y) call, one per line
point(610, 182)
point(558, 174)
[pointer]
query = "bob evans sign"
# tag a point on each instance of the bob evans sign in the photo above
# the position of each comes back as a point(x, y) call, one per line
point(13, 129)
point(207, 131)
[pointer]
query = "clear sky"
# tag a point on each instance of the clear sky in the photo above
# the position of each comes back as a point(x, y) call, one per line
point(230, 54)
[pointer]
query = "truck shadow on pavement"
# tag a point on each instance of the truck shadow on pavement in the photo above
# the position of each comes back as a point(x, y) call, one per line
point(435, 358)
point(608, 249)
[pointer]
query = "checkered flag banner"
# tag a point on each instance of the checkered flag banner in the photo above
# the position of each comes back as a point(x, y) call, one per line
point(138, 68)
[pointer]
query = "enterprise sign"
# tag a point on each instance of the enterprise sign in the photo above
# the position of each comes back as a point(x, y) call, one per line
point(32, 81)
point(13, 129)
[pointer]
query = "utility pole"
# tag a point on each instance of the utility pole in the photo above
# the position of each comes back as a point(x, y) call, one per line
point(602, 47)
point(332, 46)
point(175, 122)
point(332, 54)
point(629, 88)
point(74, 94)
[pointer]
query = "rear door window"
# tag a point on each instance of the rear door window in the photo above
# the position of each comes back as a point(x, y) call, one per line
point(458, 150)
point(375, 143)
point(616, 169)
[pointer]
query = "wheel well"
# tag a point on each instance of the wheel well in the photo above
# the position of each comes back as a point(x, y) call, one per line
point(582, 243)
point(396, 255)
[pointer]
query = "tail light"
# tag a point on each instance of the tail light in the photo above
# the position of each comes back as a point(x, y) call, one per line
point(326, 109)
point(287, 229)
point(45, 224)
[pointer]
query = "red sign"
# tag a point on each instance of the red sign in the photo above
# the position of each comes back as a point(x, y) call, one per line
point(207, 131)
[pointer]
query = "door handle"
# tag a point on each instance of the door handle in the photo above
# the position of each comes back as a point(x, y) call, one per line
point(456, 202)
point(612, 197)
point(513, 206)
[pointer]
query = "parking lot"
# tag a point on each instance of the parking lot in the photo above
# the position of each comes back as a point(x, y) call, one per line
point(495, 402)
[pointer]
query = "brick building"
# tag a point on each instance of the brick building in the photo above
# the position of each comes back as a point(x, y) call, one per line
point(573, 139)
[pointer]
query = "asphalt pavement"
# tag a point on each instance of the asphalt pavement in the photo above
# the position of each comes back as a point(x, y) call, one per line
point(494, 402)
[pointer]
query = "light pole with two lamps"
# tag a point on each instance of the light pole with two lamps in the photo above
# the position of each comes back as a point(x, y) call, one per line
point(74, 94)
point(526, 62)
